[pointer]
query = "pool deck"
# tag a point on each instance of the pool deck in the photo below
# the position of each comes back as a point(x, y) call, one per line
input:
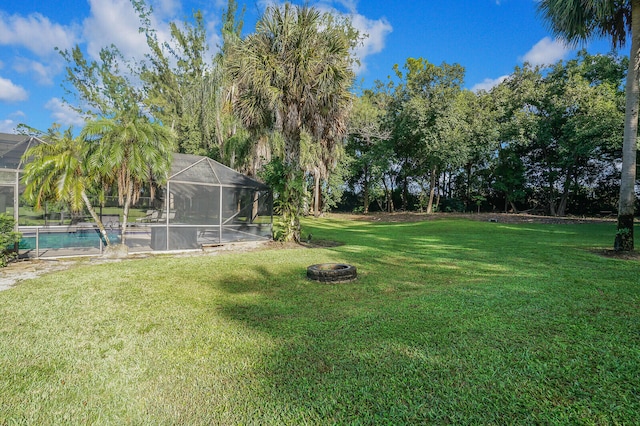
point(139, 240)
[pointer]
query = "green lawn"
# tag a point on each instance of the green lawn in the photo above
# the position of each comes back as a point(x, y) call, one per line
point(450, 321)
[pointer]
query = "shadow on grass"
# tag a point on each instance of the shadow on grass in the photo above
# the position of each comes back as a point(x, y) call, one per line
point(471, 323)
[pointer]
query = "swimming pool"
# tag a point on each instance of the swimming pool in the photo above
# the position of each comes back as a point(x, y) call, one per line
point(81, 238)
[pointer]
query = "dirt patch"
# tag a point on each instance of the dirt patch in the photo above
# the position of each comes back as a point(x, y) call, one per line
point(401, 217)
point(612, 254)
point(32, 268)
point(321, 243)
point(28, 269)
point(307, 243)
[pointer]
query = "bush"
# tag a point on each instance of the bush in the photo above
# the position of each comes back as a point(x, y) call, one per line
point(449, 205)
point(288, 189)
point(8, 238)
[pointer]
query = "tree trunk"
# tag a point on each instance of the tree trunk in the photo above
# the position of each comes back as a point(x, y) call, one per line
point(562, 207)
point(551, 195)
point(125, 213)
point(468, 168)
point(316, 194)
point(405, 193)
point(256, 206)
point(366, 190)
point(432, 191)
point(564, 200)
point(626, 208)
point(439, 186)
point(96, 219)
point(292, 191)
point(218, 135)
point(387, 198)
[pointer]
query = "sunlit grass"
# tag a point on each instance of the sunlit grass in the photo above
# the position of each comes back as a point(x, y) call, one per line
point(450, 321)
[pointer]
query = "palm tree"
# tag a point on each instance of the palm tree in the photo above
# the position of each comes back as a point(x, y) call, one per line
point(132, 150)
point(57, 170)
point(293, 75)
point(579, 20)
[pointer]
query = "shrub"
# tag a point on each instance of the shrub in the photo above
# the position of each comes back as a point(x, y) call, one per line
point(8, 238)
point(449, 205)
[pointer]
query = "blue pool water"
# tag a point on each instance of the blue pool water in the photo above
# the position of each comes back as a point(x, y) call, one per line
point(84, 238)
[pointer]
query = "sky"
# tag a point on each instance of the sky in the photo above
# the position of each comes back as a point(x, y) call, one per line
point(487, 37)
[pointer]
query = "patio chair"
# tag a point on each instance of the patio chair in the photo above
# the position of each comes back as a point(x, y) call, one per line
point(150, 216)
point(162, 216)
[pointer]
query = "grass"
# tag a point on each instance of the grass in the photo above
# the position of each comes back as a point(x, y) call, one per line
point(450, 321)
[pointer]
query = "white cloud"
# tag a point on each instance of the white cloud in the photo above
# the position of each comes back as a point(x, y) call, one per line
point(350, 5)
point(488, 83)
point(167, 8)
point(546, 52)
point(376, 31)
point(62, 114)
point(10, 92)
point(8, 126)
point(36, 33)
point(44, 73)
point(114, 22)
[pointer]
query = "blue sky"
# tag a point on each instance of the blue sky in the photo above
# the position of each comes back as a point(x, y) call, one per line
point(488, 37)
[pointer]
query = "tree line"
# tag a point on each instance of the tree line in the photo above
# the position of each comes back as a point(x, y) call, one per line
point(546, 139)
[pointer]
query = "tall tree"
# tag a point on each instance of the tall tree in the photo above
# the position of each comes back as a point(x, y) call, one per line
point(132, 150)
point(58, 170)
point(562, 122)
point(579, 20)
point(293, 75)
point(509, 177)
point(181, 84)
point(100, 87)
point(126, 145)
point(428, 121)
point(367, 143)
point(480, 139)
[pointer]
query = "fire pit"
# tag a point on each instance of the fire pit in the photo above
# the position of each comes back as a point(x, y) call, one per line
point(332, 272)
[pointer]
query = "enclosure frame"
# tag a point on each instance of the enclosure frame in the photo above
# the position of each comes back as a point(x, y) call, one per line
point(192, 173)
point(12, 149)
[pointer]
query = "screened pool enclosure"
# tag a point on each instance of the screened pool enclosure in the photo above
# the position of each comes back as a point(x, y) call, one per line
point(207, 203)
point(203, 204)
